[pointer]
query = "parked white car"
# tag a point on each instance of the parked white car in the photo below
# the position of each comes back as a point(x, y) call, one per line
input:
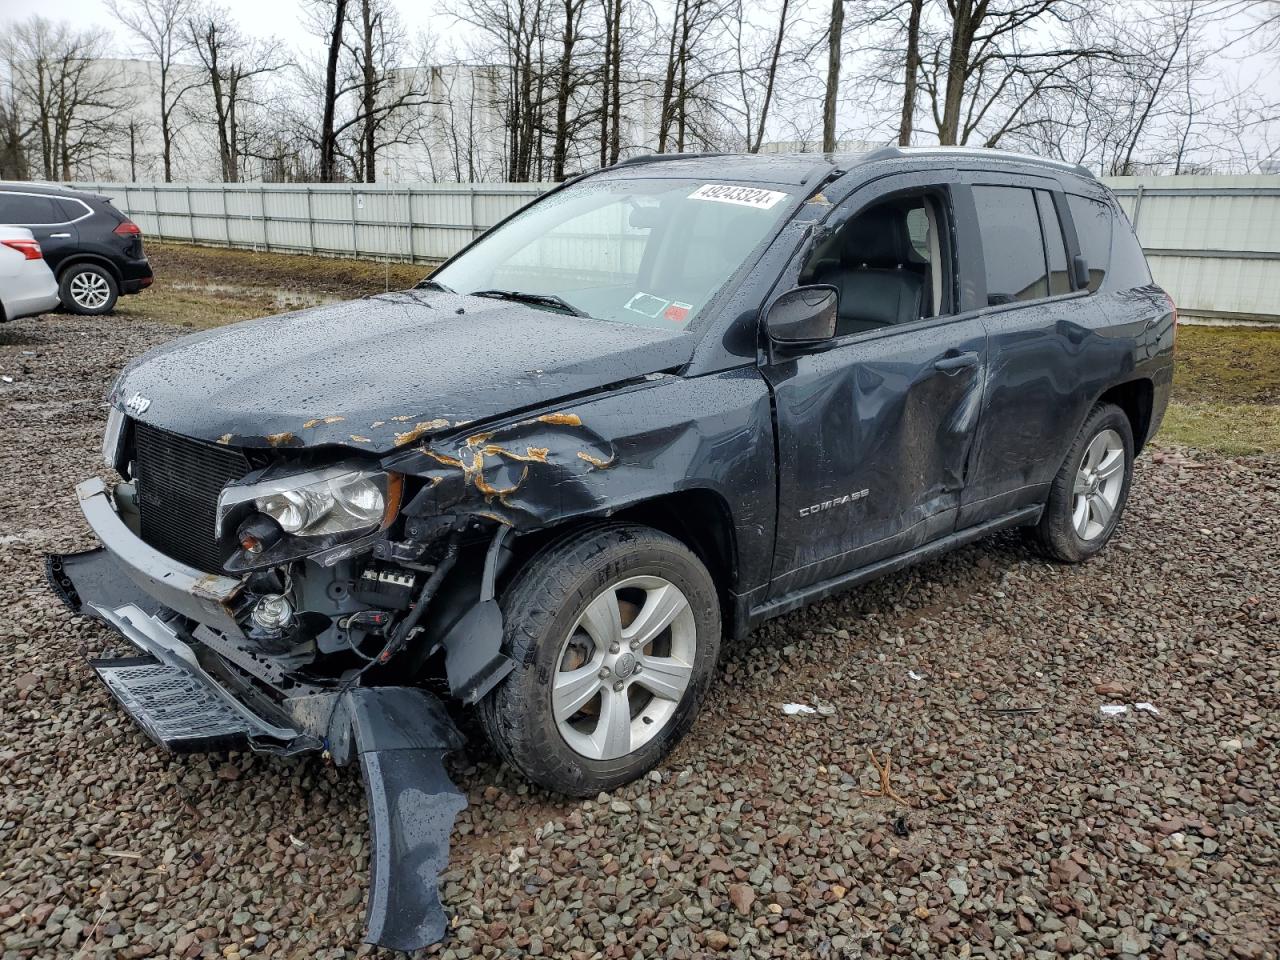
point(27, 286)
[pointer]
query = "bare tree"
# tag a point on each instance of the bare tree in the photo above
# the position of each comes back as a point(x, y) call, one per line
point(65, 100)
point(159, 29)
point(231, 61)
point(911, 72)
point(332, 20)
point(835, 38)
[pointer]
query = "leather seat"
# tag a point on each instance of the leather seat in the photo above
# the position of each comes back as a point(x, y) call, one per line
point(877, 283)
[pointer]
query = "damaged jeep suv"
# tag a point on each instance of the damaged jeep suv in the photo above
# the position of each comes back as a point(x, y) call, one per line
point(659, 405)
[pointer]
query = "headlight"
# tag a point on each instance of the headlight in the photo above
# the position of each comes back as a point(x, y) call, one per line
point(342, 499)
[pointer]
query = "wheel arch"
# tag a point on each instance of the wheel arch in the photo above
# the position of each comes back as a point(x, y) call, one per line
point(1137, 399)
point(77, 259)
point(698, 517)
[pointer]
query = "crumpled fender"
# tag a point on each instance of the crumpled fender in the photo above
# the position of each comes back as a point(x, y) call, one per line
point(593, 458)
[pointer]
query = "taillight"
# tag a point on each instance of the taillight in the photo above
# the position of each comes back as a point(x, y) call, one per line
point(128, 229)
point(28, 248)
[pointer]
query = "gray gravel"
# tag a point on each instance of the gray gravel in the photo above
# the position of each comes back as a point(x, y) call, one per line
point(1042, 832)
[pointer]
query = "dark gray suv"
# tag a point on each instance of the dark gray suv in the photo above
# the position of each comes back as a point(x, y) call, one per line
point(93, 249)
point(658, 406)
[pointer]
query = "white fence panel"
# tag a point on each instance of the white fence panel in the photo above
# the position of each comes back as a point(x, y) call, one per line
point(1213, 242)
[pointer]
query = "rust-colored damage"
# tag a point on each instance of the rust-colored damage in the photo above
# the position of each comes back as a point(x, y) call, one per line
point(359, 439)
point(319, 420)
point(279, 439)
point(596, 462)
point(481, 454)
point(561, 419)
point(426, 426)
point(224, 439)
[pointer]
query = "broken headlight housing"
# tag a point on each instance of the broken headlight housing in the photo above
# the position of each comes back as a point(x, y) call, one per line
point(304, 513)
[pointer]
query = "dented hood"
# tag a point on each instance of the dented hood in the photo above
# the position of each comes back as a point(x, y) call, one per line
point(381, 372)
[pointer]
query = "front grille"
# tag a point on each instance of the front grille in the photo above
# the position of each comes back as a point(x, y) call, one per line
point(178, 482)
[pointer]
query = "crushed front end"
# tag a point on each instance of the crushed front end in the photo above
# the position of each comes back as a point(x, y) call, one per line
point(279, 603)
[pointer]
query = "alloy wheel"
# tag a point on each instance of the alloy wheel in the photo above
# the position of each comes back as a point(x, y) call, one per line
point(90, 290)
point(1099, 482)
point(624, 667)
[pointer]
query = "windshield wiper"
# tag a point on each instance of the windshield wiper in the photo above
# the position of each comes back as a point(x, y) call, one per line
point(434, 285)
point(537, 299)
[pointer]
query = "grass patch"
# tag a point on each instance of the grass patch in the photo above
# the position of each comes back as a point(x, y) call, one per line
point(1226, 390)
point(200, 287)
point(1227, 365)
point(1230, 428)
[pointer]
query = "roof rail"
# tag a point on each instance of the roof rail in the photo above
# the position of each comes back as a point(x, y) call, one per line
point(660, 157)
point(990, 153)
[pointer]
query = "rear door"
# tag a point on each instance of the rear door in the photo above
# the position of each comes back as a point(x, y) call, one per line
point(1038, 330)
point(875, 427)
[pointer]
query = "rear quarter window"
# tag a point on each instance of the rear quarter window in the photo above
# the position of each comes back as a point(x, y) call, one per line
point(1092, 219)
point(1129, 267)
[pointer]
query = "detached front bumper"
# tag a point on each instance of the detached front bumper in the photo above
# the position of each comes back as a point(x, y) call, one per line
point(198, 685)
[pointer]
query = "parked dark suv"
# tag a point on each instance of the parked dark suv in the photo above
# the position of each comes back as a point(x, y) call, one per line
point(658, 406)
point(93, 249)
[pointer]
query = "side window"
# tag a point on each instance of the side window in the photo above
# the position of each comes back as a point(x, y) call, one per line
point(1129, 266)
point(69, 210)
point(890, 263)
point(1092, 220)
point(23, 209)
point(1054, 246)
point(1011, 244)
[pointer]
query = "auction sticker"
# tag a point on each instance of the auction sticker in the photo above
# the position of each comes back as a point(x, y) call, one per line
point(742, 196)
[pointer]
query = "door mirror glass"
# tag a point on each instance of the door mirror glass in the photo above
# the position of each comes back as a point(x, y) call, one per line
point(1080, 267)
point(804, 315)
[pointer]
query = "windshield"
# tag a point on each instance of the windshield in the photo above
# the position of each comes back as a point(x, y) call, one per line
point(647, 252)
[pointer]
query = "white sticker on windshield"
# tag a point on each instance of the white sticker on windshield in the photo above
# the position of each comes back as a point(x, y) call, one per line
point(742, 196)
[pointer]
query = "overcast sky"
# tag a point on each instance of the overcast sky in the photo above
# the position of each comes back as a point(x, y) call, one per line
point(285, 19)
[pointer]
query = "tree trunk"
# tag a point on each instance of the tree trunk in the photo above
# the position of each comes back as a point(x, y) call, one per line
point(965, 23)
point(328, 146)
point(912, 76)
point(768, 87)
point(834, 36)
point(564, 83)
point(369, 92)
point(166, 115)
point(615, 73)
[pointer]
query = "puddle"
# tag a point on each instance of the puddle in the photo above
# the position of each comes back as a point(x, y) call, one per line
point(283, 298)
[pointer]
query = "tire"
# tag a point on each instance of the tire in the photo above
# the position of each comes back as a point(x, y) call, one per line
point(88, 289)
point(1105, 439)
point(544, 610)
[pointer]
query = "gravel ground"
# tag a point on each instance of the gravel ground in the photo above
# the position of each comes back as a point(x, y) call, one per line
point(1021, 823)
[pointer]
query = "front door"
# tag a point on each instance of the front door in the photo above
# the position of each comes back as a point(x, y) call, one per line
point(875, 429)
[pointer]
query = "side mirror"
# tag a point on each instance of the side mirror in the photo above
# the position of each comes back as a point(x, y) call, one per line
point(1080, 272)
point(803, 315)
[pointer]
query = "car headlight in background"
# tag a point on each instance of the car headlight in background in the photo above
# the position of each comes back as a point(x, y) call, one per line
point(346, 498)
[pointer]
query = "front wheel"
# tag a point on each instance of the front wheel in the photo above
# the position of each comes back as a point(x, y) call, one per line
point(87, 288)
point(615, 632)
point(1089, 493)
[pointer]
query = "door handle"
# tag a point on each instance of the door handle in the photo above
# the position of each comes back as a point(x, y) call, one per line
point(58, 236)
point(958, 362)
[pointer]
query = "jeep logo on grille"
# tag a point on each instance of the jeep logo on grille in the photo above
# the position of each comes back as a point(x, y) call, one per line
point(137, 404)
